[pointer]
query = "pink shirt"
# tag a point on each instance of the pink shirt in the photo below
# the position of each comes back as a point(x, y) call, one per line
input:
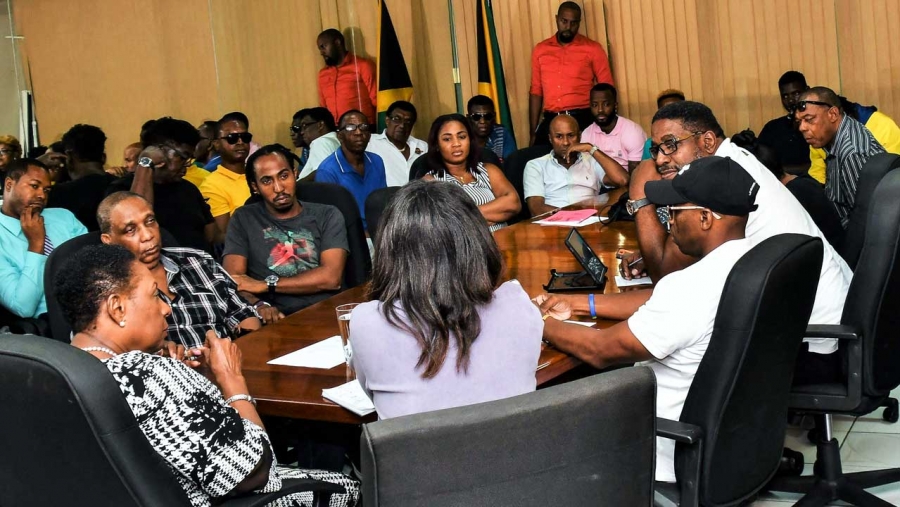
point(624, 144)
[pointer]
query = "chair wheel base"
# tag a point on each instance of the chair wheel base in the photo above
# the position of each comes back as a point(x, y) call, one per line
point(891, 413)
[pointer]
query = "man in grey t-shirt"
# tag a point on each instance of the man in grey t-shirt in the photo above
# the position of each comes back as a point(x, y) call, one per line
point(279, 250)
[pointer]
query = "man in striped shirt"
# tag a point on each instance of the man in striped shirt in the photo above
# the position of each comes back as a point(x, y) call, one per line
point(847, 143)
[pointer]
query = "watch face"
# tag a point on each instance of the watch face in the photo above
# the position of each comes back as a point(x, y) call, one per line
point(145, 162)
point(629, 207)
point(272, 279)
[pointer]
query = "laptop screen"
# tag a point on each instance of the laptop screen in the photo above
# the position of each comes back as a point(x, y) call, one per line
point(585, 256)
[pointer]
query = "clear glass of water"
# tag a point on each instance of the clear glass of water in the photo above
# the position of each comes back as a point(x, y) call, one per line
point(343, 318)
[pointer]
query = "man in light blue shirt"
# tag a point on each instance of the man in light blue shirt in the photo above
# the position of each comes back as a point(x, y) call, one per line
point(28, 233)
point(352, 167)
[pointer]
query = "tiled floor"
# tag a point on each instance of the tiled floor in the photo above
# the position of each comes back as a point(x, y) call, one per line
point(867, 443)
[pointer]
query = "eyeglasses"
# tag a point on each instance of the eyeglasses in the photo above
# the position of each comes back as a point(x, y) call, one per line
point(352, 127)
point(482, 116)
point(669, 146)
point(8, 152)
point(245, 137)
point(171, 151)
point(399, 120)
point(666, 214)
point(801, 106)
point(303, 126)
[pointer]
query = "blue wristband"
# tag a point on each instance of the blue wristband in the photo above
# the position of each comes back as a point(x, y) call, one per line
point(591, 303)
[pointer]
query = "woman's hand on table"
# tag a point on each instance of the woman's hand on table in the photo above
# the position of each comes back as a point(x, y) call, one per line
point(192, 358)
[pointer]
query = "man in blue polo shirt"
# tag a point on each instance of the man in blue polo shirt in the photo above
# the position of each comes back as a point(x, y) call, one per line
point(352, 167)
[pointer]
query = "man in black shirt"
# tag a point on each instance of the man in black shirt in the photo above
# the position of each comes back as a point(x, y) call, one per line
point(85, 147)
point(180, 208)
point(781, 133)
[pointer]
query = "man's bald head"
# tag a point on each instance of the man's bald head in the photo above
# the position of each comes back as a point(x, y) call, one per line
point(563, 119)
point(564, 134)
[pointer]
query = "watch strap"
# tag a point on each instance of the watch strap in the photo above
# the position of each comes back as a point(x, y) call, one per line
point(634, 206)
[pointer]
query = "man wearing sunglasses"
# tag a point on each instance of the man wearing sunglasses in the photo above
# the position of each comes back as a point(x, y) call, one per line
point(396, 146)
point(226, 188)
point(313, 129)
point(684, 132)
point(488, 134)
point(668, 327)
point(352, 167)
point(848, 143)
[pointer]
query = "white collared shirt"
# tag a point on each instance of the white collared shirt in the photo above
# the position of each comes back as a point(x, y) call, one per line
point(319, 150)
point(547, 178)
point(396, 166)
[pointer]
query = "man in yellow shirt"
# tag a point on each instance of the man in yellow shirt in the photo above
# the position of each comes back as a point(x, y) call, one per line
point(226, 189)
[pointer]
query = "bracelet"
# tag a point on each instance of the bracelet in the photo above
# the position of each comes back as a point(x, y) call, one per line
point(261, 303)
point(240, 397)
point(591, 303)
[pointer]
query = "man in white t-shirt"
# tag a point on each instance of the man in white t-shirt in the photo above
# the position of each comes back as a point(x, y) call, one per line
point(395, 145)
point(669, 327)
point(571, 172)
point(314, 129)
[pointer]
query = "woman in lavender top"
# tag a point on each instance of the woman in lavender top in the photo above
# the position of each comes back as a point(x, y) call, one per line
point(441, 330)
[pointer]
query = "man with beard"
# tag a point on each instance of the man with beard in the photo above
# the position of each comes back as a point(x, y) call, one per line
point(313, 129)
point(226, 188)
point(570, 173)
point(781, 133)
point(28, 233)
point(352, 167)
point(286, 252)
point(563, 69)
point(488, 134)
point(347, 81)
point(620, 138)
point(396, 146)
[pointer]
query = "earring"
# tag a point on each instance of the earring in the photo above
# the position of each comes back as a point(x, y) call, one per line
point(122, 324)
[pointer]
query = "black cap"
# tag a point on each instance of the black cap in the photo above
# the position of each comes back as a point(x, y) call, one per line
point(717, 183)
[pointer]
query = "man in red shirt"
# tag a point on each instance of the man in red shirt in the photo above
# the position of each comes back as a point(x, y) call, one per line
point(347, 81)
point(563, 70)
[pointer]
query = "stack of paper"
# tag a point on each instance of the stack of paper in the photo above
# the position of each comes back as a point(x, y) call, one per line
point(325, 354)
point(622, 282)
point(350, 396)
point(571, 218)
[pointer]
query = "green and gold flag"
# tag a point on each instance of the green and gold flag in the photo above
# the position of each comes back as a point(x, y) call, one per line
point(393, 78)
point(490, 68)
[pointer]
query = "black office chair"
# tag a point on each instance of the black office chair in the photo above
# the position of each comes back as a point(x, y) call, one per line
point(39, 325)
point(69, 437)
point(420, 165)
point(587, 442)
point(872, 173)
point(730, 436)
point(869, 343)
point(375, 206)
point(59, 328)
point(515, 171)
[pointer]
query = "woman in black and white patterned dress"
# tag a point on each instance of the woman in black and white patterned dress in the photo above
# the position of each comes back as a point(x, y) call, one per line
point(215, 446)
point(454, 159)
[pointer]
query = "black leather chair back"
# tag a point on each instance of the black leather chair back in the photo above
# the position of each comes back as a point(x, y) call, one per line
point(740, 393)
point(359, 263)
point(515, 170)
point(59, 327)
point(68, 435)
point(875, 169)
point(375, 206)
point(588, 442)
point(874, 296)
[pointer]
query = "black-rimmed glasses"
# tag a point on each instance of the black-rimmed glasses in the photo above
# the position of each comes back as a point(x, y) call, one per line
point(233, 138)
point(303, 126)
point(482, 116)
point(399, 120)
point(669, 146)
point(666, 214)
point(353, 127)
point(801, 105)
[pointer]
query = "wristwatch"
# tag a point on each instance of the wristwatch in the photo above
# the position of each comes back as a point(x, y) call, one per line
point(272, 282)
point(632, 206)
point(146, 162)
point(592, 150)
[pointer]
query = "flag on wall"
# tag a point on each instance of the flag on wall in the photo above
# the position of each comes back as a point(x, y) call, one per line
point(393, 78)
point(490, 68)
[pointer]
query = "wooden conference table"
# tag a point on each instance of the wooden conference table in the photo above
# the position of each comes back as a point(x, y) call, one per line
point(529, 251)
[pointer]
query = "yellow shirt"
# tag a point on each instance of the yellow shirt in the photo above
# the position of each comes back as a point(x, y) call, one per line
point(882, 128)
point(196, 175)
point(224, 191)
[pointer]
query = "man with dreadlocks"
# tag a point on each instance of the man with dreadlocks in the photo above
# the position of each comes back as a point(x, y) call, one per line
point(288, 253)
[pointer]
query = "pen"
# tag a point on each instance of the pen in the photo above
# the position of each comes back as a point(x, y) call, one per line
point(632, 263)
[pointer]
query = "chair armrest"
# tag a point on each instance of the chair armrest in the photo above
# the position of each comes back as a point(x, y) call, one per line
point(839, 331)
point(321, 490)
point(678, 431)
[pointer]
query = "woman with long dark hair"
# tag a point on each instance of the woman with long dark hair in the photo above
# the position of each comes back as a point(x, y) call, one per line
point(441, 330)
point(453, 158)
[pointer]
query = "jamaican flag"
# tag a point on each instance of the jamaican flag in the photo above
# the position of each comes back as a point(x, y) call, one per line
point(490, 69)
point(393, 78)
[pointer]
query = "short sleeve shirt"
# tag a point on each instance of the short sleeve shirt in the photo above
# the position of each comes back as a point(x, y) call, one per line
point(396, 166)
point(286, 247)
point(319, 149)
point(336, 169)
point(546, 177)
point(624, 144)
point(225, 191)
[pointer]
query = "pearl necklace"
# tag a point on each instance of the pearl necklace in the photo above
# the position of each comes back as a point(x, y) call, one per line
point(100, 349)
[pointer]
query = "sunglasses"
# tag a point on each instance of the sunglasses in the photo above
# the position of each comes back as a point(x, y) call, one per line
point(245, 137)
point(353, 127)
point(801, 106)
point(669, 146)
point(666, 214)
point(303, 126)
point(482, 116)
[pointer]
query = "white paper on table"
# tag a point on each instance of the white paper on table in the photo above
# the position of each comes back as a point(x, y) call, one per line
point(586, 221)
point(580, 323)
point(621, 282)
point(350, 396)
point(325, 354)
